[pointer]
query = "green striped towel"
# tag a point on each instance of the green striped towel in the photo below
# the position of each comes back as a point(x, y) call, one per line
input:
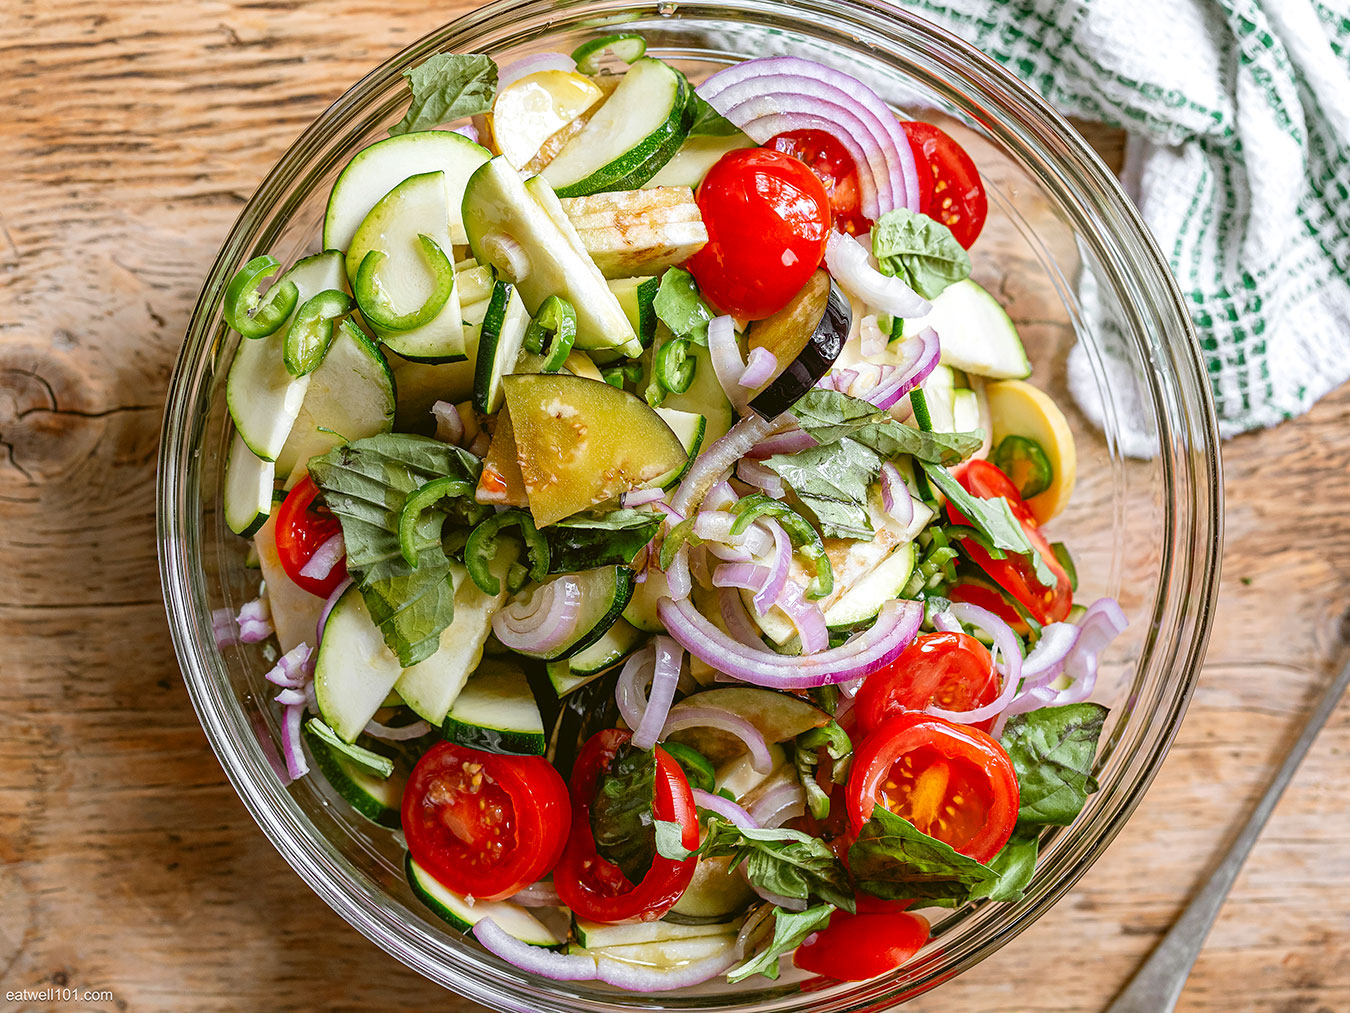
point(1238, 113)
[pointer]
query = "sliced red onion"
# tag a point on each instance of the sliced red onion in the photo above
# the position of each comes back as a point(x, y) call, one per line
point(698, 566)
point(533, 64)
point(639, 978)
point(541, 894)
point(725, 808)
point(291, 698)
point(720, 497)
point(397, 733)
point(224, 627)
point(871, 337)
point(777, 899)
point(480, 444)
point(629, 691)
point(895, 495)
point(333, 597)
point(467, 130)
point(850, 264)
point(727, 721)
point(779, 567)
point(807, 617)
point(535, 959)
point(726, 360)
point(759, 367)
point(293, 669)
point(707, 470)
point(665, 674)
point(641, 497)
point(779, 804)
point(1101, 624)
point(678, 577)
point(945, 622)
point(731, 553)
point(325, 557)
point(791, 442)
point(542, 622)
point(673, 516)
point(255, 620)
point(922, 353)
point(763, 478)
point(449, 424)
point(751, 930)
point(1009, 663)
point(864, 654)
point(750, 576)
point(737, 620)
point(716, 525)
point(291, 747)
point(1044, 661)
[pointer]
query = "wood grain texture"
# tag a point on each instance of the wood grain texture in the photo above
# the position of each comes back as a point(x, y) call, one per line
point(133, 132)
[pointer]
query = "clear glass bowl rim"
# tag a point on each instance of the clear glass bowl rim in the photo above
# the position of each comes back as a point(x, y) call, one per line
point(1177, 385)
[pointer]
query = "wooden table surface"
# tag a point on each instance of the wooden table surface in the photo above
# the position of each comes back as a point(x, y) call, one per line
point(133, 131)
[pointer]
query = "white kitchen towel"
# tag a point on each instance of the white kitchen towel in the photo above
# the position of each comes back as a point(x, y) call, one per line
point(1239, 159)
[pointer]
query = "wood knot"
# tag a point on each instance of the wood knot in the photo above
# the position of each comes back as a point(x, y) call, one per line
point(49, 418)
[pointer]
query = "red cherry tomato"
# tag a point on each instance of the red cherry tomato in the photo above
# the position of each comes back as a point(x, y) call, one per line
point(596, 889)
point(302, 526)
point(953, 782)
point(1013, 573)
point(952, 671)
point(862, 946)
point(949, 184)
point(835, 168)
point(482, 823)
point(988, 597)
point(768, 217)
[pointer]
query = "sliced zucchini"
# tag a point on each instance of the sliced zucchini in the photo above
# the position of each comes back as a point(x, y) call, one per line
point(376, 170)
point(619, 641)
point(505, 222)
point(496, 712)
point(262, 395)
point(663, 956)
point(626, 46)
point(938, 391)
point(779, 717)
point(351, 396)
point(464, 913)
point(631, 136)
point(422, 384)
point(431, 686)
point(605, 592)
point(976, 334)
point(690, 429)
point(715, 894)
point(641, 609)
point(531, 109)
point(862, 602)
point(378, 798)
point(696, 156)
point(475, 282)
point(247, 495)
point(738, 776)
point(965, 410)
point(581, 442)
point(417, 207)
point(596, 934)
point(354, 670)
point(500, 339)
point(705, 397)
point(637, 296)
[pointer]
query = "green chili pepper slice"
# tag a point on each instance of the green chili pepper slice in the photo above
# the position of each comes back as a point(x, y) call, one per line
point(374, 301)
point(311, 332)
point(697, 767)
point(678, 535)
point(556, 317)
point(1023, 461)
point(627, 46)
point(1061, 552)
point(481, 550)
point(617, 376)
point(419, 502)
point(924, 421)
point(803, 536)
point(673, 368)
point(251, 314)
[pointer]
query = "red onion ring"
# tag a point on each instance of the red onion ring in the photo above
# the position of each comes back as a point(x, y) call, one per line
point(1044, 661)
point(1009, 664)
point(779, 569)
point(779, 804)
point(337, 593)
point(791, 442)
point(750, 576)
point(255, 621)
point(535, 959)
point(764, 479)
point(726, 360)
point(636, 978)
point(292, 669)
point(759, 367)
point(665, 674)
point(541, 894)
point(629, 694)
point(325, 557)
point(727, 721)
point(532, 64)
point(224, 627)
point(871, 337)
point(807, 617)
point(945, 622)
point(480, 444)
point(874, 649)
point(678, 578)
point(291, 698)
point(291, 747)
point(641, 497)
point(850, 264)
point(720, 497)
point(926, 351)
point(725, 808)
point(397, 733)
point(707, 470)
point(737, 620)
point(543, 621)
point(449, 424)
point(467, 130)
point(895, 495)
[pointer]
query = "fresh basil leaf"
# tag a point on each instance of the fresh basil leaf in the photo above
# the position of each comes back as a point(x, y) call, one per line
point(831, 416)
point(446, 87)
point(365, 484)
point(893, 859)
point(920, 250)
point(789, 929)
point(621, 812)
point(708, 122)
point(585, 542)
point(994, 519)
point(679, 306)
point(838, 747)
point(1052, 750)
point(786, 862)
point(831, 482)
point(670, 841)
point(1015, 864)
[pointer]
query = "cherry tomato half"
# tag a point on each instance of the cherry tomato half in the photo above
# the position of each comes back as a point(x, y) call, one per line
point(862, 946)
point(949, 184)
point(768, 217)
point(483, 823)
point(1014, 573)
point(987, 596)
point(952, 671)
point(596, 889)
point(302, 526)
point(835, 168)
point(953, 782)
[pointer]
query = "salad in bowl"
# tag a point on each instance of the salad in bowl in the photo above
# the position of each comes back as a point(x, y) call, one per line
point(654, 521)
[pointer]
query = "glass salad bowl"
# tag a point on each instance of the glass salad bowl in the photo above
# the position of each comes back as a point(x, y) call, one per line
point(1063, 250)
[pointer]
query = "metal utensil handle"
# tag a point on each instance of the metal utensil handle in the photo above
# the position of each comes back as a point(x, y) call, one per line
point(1157, 984)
